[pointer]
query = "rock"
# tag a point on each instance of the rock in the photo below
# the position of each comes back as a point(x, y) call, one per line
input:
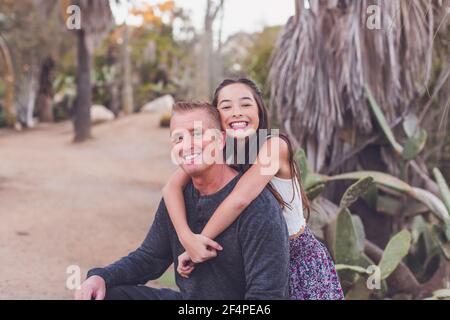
point(17, 126)
point(101, 114)
point(160, 105)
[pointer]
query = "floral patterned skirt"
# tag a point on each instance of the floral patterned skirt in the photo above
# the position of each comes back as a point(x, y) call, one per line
point(312, 275)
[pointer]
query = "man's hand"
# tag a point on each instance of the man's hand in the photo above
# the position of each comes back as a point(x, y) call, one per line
point(92, 287)
point(185, 265)
point(200, 248)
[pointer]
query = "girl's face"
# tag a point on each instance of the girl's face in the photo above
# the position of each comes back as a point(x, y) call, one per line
point(238, 110)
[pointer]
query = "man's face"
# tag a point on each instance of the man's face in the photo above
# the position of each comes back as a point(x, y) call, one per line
point(196, 143)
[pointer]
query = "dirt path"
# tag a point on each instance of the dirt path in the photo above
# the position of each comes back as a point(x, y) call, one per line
point(67, 204)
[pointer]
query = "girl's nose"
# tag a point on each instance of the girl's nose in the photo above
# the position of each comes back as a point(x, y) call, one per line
point(237, 112)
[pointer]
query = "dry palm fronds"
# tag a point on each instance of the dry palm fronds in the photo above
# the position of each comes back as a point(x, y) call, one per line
point(326, 55)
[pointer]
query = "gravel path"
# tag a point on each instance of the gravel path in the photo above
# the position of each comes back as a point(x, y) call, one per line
point(67, 204)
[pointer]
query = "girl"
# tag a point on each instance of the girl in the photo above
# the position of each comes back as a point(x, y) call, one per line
point(242, 112)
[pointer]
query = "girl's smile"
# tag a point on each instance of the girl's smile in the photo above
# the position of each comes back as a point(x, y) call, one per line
point(238, 111)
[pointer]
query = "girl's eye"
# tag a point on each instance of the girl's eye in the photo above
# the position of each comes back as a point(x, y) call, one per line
point(247, 105)
point(226, 107)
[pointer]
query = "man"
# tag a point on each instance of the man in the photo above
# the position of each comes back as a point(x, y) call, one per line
point(254, 261)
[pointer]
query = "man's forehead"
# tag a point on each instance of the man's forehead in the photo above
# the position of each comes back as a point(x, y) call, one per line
point(190, 120)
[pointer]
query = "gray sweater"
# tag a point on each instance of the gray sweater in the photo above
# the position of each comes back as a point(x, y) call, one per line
point(252, 265)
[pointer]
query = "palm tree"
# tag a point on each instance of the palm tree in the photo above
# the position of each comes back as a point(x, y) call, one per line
point(96, 18)
point(325, 57)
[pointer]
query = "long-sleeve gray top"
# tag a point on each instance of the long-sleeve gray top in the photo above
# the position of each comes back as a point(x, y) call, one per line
point(252, 265)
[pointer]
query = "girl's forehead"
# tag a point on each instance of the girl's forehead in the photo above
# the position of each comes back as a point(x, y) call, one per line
point(236, 91)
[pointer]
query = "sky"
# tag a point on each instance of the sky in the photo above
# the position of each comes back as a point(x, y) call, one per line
point(239, 15)
point(244, 15)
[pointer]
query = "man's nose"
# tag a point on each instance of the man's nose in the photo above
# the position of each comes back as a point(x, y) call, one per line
point(188, 145)
point(191, 144)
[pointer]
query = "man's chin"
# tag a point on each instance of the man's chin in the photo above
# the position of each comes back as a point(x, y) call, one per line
point(193, 170)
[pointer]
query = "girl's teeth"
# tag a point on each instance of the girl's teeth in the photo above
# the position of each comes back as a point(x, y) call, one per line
point(239, 125)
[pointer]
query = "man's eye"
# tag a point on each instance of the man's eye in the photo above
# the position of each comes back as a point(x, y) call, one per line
point(177, 139)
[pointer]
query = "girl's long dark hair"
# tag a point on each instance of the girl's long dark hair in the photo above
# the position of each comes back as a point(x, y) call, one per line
point(264, 124)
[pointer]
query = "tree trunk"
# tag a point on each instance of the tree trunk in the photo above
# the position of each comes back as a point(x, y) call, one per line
point(205, 70)
point(203, 66)
point(44, 101)
point(217, 67)
point(82, 116)
point(127, 91)
point(26, 96)
point(10, 118)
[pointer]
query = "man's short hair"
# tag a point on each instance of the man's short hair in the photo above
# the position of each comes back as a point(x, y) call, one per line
point(186, 106)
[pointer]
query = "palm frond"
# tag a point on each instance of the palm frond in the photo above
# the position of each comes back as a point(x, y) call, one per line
point(326, 55)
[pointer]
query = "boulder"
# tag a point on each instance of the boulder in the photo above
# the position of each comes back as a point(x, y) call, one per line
point(160, 105)
point(101, 114)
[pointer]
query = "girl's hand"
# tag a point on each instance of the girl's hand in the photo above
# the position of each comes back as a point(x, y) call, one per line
point(185, 265)
point(200, 248)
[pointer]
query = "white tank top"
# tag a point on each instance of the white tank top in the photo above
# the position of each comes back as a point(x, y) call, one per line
point(294, 216)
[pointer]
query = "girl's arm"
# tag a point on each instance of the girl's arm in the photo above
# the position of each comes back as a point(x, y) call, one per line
point(197, 246)
point(272, 155)
point(174, 201)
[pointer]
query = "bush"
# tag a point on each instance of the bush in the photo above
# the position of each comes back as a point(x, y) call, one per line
point(164, 121)
point(2, 117)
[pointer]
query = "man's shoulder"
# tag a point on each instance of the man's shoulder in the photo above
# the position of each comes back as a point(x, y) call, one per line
point(264, 213)
point(264, 204)
point(188, 190)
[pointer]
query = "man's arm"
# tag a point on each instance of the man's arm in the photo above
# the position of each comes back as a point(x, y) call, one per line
point(146, 263)
point(265, 248)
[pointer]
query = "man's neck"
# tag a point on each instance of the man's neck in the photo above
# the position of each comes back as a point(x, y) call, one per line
point(213, 179)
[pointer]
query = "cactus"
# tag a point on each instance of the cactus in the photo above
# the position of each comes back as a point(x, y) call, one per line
point(440, 294)
point(396, 249)
point(315, 191)
point(309, 179)
point(355, 191)
point(359, 231)
point(435, 205)
point(427, 242)
point(346, 248)
point(416, 136)
point(388, 205)
point(441, 234)
point(349, 243)
point(443, 187)
point(353, 268)
point(383, 122)
point(414, 145)
point(302, 162)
